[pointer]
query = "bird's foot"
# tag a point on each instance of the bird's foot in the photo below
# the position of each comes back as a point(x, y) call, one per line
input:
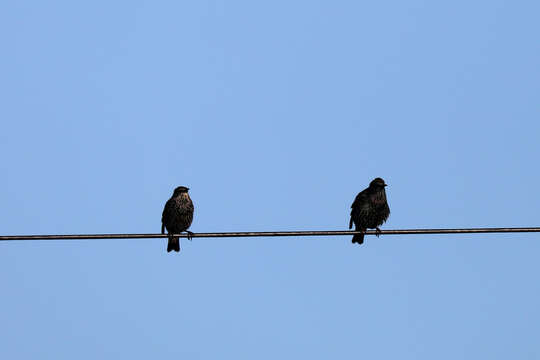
point(189, 235)
point(377, 232)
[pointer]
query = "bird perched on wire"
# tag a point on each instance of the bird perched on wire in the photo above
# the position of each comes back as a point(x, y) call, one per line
point(177, 217)
point(369, 209)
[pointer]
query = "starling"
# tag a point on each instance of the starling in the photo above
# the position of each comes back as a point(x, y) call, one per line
point(369, 209)
point(177, 216)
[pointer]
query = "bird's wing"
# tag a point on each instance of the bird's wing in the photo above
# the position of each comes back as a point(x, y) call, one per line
point(360, 199)
point(360, 208)
point(165, 216)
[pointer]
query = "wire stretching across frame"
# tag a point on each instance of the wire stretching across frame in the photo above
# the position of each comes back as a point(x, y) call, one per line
point(271, 233)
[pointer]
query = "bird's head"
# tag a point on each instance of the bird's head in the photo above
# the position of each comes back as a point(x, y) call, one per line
point(377, 183)
point(180, 190)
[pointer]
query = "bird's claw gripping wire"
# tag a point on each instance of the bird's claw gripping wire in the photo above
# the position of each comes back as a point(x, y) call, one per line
point(189, 235)
point(377, 232)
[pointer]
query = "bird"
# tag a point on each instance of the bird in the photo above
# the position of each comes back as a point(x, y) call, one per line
point(177, 217)
point(369, 209)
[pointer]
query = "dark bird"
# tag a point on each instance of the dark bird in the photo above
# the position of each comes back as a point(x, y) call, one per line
point(369, 209)
point(177, 216)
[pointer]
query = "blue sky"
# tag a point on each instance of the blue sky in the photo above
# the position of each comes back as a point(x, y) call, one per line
point(275, 115)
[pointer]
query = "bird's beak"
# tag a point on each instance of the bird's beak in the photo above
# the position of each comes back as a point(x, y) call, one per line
point(385, 185)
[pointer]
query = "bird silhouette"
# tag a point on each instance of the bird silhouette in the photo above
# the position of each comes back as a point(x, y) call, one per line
point(177, 217)
point(369, 209)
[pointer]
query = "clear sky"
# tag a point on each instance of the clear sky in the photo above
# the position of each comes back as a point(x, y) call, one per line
point(275, 114)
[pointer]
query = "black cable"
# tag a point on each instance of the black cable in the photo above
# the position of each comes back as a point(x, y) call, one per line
point(270, 233)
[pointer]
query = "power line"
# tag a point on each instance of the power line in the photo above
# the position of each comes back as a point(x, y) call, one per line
point(271, 233)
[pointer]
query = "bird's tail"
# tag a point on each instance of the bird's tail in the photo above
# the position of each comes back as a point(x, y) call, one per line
point(174, 244)
point(359, 238)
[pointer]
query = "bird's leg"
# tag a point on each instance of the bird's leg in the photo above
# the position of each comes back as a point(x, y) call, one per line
point(377, 232)
point(189, 235)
